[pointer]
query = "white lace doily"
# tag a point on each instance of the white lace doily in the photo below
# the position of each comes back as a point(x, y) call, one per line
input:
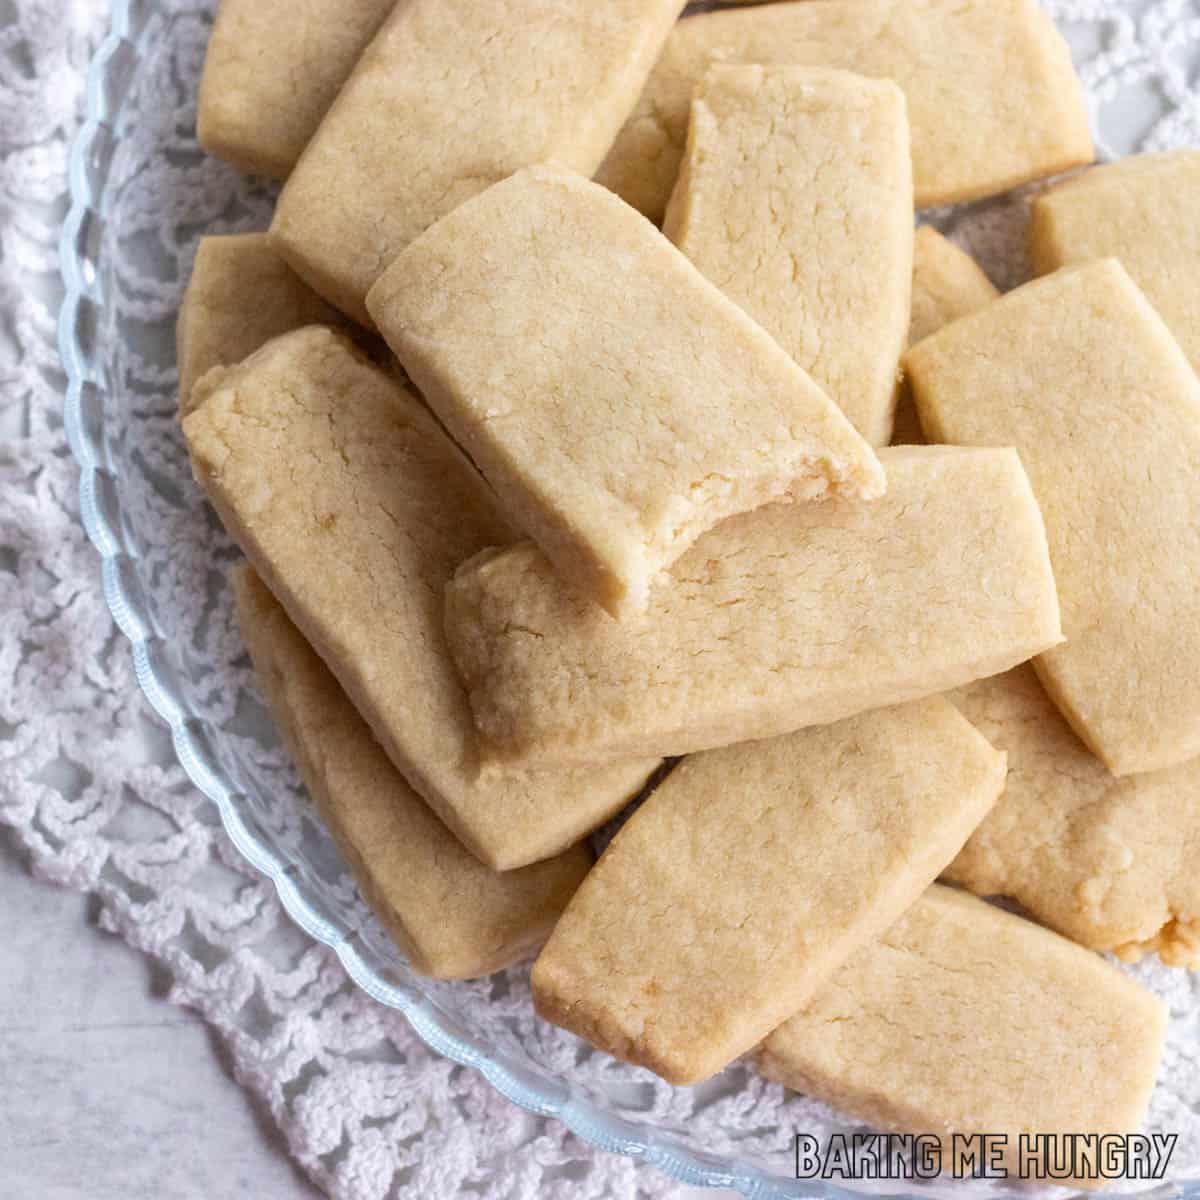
point(88, 780)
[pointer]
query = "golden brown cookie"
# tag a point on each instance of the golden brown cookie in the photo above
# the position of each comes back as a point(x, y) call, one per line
point(1082, 376)
point(793, 615)
point(993, 99)
point(450, 97)
point(963, 1019)
point(452, 916)
point(751, 874)
point(795, 199)
point(355, 508)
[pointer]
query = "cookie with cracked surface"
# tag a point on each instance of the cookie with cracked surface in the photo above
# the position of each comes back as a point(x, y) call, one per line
point(728, 898)
point(792, 615)
point(993, 98)
point(619, 404)
point(450, 97)
point(1108, 862)
point(355, 508)
point(795, 199)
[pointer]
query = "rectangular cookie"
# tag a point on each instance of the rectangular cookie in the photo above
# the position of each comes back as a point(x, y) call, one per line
point(963, 1019)
point(795, 199)
point(993, 99)
point(453, 917)
point(1141, 210)
point(1108, 862)
point(793, 615)
point(947, 284)
point(618, 403)
point(271, 71)
point(450, 97)
point(355, 508)
point(240, 295)
point(750, 875)
point(1080, 374)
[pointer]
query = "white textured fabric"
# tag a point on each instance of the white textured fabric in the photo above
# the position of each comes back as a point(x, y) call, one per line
point(89, 782)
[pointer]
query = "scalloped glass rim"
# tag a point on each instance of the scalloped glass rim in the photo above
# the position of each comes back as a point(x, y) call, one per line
point(108, 80)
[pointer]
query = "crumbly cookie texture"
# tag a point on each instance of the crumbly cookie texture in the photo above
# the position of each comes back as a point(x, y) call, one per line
point(1141, 210)
point(947, 284)
point(793, 615)
point(454, 917)
point(733, 893)
point(966, 1019)
point(1082, 376)
point(795, 199)
point(993, 99)
point(355, 508)
point(271, 71)
point(616, 400)
point(241, 295)
point(450, 97)
point(1108, 862)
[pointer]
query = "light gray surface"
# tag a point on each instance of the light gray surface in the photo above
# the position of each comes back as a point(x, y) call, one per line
point(107, 1090)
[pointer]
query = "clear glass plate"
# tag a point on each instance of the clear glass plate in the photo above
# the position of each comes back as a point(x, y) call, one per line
point(142, 194)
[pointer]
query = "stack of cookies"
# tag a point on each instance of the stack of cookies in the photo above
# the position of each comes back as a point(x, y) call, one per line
point(546, 509)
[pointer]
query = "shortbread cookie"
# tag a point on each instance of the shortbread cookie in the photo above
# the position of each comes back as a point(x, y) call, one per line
point(355, 508)
point(795, 199)
point(271, 72)
point(241, 295)
point(453, 917)
point(963, 1019)
point(766, 864)
point(1108, 862)
point(993, 99)
point(793, 615)
point(1141, 210)
point(619, 404)
point(450, 97)
point(1080, 374)
point(947, 284)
